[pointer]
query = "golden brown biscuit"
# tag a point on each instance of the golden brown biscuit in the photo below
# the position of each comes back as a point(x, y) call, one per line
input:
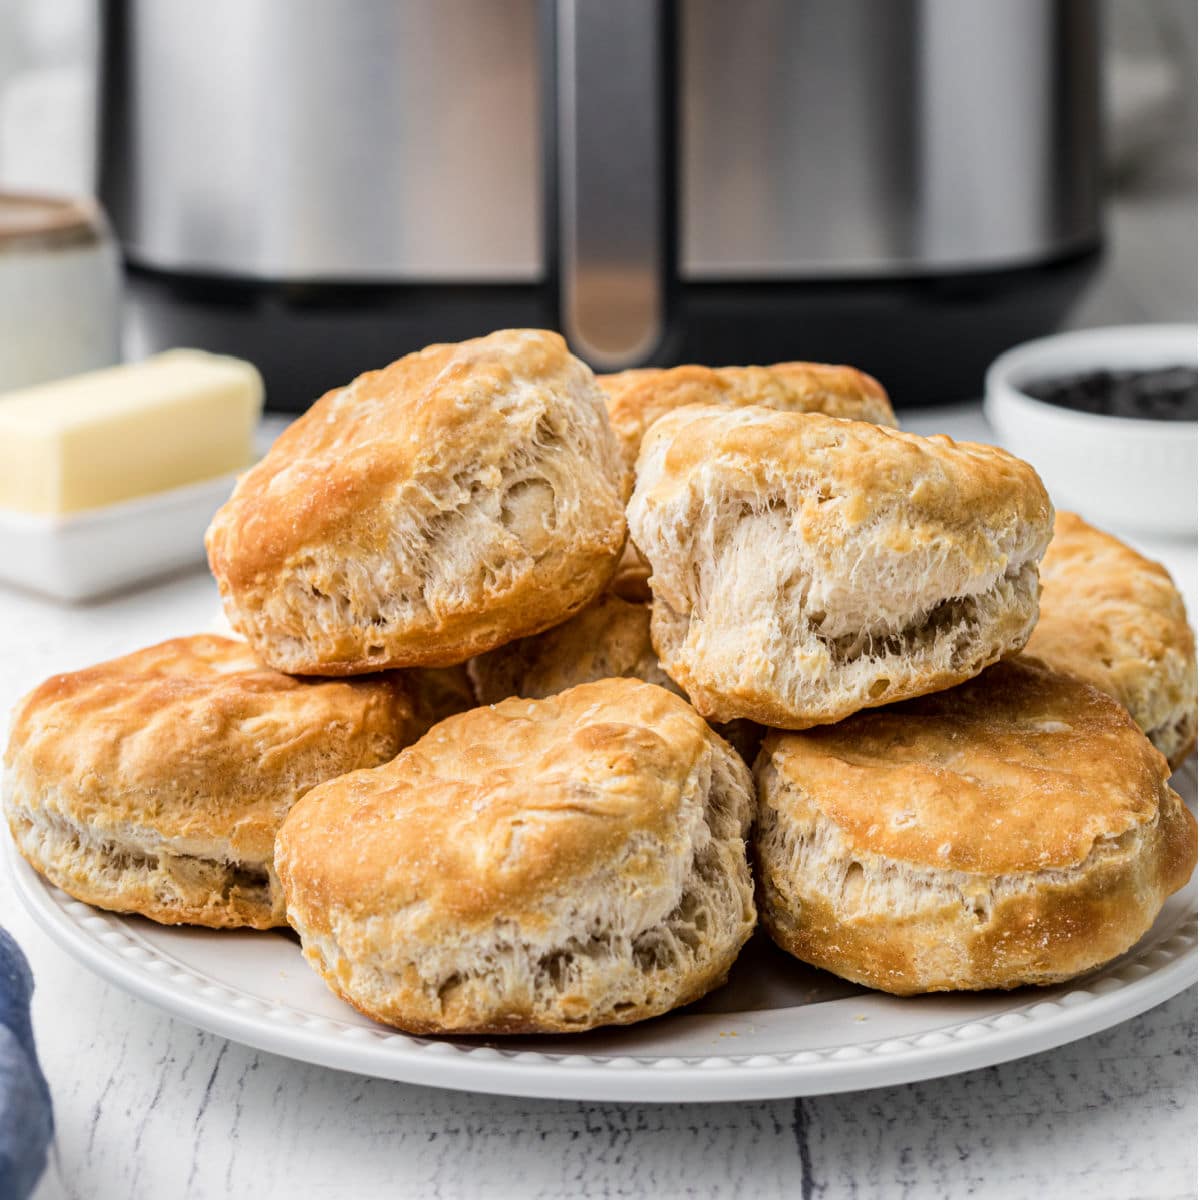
point(541, 865)
point(609, 639)
point(1113, 618)
point(1016, 830)
point(155, 783)
point(637, 398)
point(806, 567)
point(464, 496)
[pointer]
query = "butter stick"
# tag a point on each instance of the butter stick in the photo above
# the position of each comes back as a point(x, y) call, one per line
point(126, 431)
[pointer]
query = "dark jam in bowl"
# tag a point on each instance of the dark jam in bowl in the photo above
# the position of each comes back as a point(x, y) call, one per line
point(1157, 394)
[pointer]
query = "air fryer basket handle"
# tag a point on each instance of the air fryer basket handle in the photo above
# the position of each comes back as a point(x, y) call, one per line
point(613, 94)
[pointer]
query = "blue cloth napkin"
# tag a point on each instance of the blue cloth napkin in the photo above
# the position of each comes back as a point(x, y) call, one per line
point(26, 1118)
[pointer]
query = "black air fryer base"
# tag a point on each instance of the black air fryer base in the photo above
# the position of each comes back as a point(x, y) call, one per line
point(306, 339)
point(927, 340)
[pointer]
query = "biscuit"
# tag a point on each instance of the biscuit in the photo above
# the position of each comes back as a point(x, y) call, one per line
point(609, 639)
point(155, 783)
point(637, 398)
point(465, 495)
point(1016, 830)
point(583, 864)
point(1114, 619)
point(806, 567)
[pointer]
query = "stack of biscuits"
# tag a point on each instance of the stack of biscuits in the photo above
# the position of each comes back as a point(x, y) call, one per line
point(549, 687)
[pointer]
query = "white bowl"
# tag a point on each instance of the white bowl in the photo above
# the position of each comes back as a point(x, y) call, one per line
point(1120, 472)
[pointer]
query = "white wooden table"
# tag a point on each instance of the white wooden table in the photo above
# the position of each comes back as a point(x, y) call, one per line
point(149, 1106)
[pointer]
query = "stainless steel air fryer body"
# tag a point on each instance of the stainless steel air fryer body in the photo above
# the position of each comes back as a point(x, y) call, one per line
point(657, 179)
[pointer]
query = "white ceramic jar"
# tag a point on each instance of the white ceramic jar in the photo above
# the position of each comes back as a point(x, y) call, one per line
point(60, 289)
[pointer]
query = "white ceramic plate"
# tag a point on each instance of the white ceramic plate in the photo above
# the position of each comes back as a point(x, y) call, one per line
point(777, 1028)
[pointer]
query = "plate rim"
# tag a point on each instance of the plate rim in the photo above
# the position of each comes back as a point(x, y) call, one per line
point(1101, 1000)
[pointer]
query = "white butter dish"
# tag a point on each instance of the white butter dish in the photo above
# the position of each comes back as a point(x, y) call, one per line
point(87, 554)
